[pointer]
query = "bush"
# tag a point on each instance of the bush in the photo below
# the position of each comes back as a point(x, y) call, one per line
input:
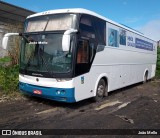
point(9, 70)
point(158, 63)
point(8, 76)
point(4, 61)
point(13, 52)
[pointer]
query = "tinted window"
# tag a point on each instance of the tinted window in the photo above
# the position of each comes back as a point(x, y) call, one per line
point(100, 28)
point(82, 54)
point(122, 37)
point(93, 27)
point(86, 26)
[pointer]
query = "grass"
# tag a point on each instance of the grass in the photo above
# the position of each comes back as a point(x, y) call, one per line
point(8, 77)
point(4, 60)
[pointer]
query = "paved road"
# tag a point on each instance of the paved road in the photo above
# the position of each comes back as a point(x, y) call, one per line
point(134, 107)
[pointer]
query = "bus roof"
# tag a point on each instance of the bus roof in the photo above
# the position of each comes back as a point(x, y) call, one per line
point(85, 11)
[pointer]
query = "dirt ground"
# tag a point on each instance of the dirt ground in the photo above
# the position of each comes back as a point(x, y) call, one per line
point(134, 107)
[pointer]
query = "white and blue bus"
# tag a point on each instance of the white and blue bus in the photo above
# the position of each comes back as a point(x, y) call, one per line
point(73, 54)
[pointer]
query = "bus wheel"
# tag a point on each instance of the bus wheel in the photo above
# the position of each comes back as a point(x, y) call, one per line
point(101, 89)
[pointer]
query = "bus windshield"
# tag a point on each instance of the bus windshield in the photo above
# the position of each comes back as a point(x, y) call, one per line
point(42, 53)
point(55, 22)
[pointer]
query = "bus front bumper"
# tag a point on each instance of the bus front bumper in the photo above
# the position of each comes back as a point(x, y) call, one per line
point(56, 94)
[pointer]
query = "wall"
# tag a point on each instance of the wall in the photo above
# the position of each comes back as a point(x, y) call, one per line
point(7, 26)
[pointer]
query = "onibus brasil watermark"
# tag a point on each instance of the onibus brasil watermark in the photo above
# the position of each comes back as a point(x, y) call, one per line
point(21, 132)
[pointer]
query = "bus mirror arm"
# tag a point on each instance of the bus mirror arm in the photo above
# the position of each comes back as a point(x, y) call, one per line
point(66, 39)
point(5, 39)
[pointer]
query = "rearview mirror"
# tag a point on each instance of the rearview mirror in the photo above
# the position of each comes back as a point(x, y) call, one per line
point(66, 39)
point(5, 39)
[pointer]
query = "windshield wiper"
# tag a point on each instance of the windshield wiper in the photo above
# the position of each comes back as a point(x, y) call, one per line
point(44, 61)
point(28, 63)
point(33, 54)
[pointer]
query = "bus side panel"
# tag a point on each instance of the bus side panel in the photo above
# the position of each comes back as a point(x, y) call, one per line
point(124, 67)
point(84, 85)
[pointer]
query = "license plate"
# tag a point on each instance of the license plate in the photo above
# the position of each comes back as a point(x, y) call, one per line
point(37, 92)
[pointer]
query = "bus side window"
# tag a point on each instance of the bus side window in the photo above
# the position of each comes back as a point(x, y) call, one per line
point(86, 27)
point(82, 52)
point(100, 29)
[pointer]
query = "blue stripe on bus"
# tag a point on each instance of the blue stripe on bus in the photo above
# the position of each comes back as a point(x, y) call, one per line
point(57, 94)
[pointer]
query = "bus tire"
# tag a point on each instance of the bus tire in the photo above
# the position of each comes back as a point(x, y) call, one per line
point(100, 92)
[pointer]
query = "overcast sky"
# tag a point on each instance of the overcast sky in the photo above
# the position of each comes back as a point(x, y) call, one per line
point(143, 15)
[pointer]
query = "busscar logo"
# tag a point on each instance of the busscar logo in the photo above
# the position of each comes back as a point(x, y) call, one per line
point(6, 132)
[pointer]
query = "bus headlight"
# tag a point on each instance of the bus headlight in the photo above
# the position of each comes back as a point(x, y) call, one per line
point(62, 92)
point(58, 92)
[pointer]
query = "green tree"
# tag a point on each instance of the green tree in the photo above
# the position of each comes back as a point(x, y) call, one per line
point(158, 62)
